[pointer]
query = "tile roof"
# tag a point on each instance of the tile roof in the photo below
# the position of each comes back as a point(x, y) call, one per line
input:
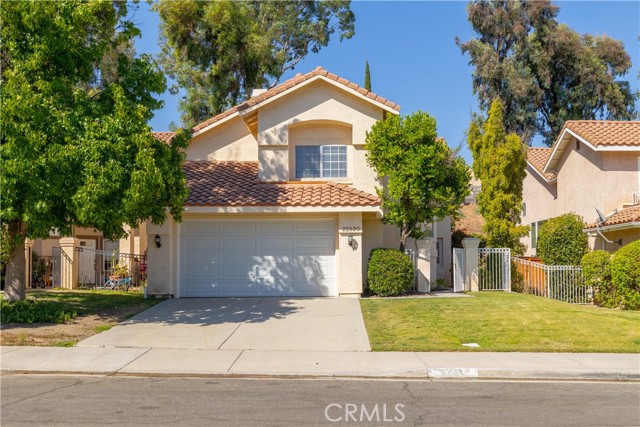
point(299, 78)
point(623, 216)
point(213, 183)
point(606, 132)
point(537, 158)
point(164, 136)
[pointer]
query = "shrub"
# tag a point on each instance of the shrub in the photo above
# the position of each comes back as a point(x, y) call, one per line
point(35, 311)
point(596, 269)
point(625, 274)
point(390, 272)
point(561, 240)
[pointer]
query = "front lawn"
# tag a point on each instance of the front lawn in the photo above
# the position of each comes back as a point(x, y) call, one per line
point(92, 311)
point(498, 321)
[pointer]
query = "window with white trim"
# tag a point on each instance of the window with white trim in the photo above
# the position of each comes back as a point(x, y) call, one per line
point(321, 161)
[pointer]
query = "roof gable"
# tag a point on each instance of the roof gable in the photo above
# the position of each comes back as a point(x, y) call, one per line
point(292, 85)
point(599, 135)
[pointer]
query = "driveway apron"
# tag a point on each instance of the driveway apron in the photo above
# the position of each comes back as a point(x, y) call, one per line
point(285, 324)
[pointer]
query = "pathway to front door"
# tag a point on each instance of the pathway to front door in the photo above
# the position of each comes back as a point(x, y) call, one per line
point(289, 324)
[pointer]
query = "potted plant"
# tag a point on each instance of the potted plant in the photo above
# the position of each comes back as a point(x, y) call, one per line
point(119, 271)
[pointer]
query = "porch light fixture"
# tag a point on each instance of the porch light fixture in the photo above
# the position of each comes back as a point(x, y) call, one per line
point(350, 241)
point(158, 241)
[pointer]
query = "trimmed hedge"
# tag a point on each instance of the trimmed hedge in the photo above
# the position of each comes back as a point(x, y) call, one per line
point(596, 269)
point(561, 240)
point(35, 311)
point(625, 274)
point(390, 272)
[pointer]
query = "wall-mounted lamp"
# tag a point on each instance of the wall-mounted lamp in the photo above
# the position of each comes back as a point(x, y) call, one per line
point(158, 241)
point(350, 240)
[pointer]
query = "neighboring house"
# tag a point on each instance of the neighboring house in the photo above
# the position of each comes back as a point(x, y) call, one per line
point(592, 165)
point(282, 201)
point(90, 270)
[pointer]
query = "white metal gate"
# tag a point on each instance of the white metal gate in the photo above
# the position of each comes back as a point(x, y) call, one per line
point(458, 270)
point(86, 264)
point(494, 269)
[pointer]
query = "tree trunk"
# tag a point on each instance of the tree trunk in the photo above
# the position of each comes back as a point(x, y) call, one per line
point(404, 233)
point(14, 281)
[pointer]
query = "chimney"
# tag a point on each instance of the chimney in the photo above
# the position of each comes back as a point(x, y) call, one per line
point(256, 92)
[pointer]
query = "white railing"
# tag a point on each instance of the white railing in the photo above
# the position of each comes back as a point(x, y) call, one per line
point(559, 282)
point(636, 197)
point(412, 255)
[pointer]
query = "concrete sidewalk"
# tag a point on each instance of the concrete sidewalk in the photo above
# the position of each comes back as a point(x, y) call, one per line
point(258, 363)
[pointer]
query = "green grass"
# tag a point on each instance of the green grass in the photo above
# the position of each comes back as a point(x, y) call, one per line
point(69, 343)
point(498, 321)
point(86, 302)
point(102, 328)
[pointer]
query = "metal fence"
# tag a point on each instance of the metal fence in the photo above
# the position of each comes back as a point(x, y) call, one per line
point(494, 269)
point(559, 282)
point(96, 266)
point(412, 255)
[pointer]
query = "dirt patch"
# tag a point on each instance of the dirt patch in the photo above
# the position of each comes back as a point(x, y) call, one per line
point(65, 334)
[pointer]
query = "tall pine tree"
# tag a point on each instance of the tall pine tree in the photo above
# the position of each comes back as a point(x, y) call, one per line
point(367, 76)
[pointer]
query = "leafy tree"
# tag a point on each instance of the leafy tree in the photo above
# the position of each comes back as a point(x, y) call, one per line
point(75, 145)
point(218, 51)
point(544, 73)
point(425, 179)
point(367, 76)
point(561, 240)
point(499, 161)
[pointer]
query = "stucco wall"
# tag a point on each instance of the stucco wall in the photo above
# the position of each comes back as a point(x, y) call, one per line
point(229, 141)
point(316, 103)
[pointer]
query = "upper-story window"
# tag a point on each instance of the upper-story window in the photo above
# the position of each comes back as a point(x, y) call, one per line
point(321, 161)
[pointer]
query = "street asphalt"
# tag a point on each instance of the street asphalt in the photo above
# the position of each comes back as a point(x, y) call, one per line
point(125, 401)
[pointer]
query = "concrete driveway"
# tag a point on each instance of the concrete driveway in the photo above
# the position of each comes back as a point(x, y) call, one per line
point(302, 324)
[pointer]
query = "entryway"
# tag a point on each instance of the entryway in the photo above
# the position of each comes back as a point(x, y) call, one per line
point(481, 269)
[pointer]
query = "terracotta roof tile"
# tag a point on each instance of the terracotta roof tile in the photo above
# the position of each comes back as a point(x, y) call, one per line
point(236, 184)
point(606, 132)
point(623, 216)
point(537, 158)
point(164, 136)
point(298, 79)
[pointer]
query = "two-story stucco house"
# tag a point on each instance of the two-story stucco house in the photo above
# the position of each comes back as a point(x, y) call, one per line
point(593, 165)
point(282, 201)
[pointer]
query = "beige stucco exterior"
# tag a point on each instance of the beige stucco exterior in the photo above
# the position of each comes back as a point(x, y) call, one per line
point(586, 179)
point(318, 113)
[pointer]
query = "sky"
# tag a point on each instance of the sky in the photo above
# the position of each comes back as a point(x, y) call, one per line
point(413, 56)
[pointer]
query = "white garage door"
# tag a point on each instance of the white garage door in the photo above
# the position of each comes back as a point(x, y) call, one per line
point(257, 258)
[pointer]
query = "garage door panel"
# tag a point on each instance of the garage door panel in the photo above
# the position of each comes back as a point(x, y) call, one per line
point(274, 245)
point(204, 288)
point(197, 228)
point(274, 227)
point(238, 227)
point(314, 227)
point(305, 243)
point(253, 258)
point(202, 243)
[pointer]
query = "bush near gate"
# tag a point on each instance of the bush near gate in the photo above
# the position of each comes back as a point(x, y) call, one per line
point(596, 269)
point(390, 272)
point(561, 240)
point(625, 275)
